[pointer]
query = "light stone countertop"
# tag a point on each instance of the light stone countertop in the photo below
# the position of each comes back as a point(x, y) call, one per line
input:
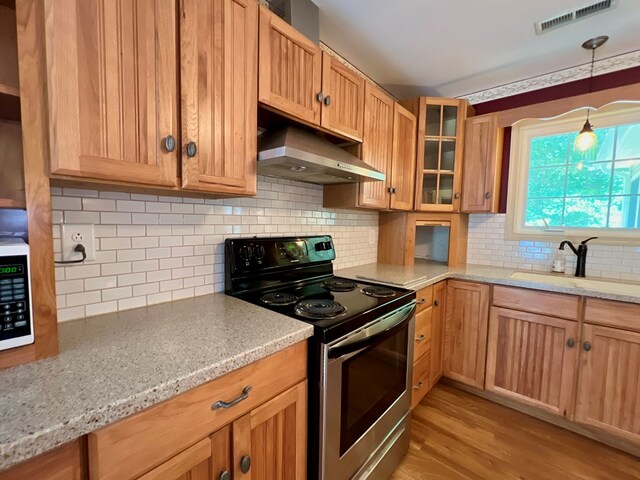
point(423, 274)
point(114, 365)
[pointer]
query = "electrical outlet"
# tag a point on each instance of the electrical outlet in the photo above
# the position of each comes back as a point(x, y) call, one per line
point(74, 234)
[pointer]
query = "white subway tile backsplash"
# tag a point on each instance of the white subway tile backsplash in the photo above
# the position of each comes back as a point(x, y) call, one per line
point(487, 246)
point(152, 249)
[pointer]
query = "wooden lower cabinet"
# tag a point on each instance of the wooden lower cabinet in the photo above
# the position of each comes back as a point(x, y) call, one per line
point(466, 332)
point(609, 381)
point(420, 384)
point(192, 464)
point(63, 463)
point(438, 311)
point(531, 358)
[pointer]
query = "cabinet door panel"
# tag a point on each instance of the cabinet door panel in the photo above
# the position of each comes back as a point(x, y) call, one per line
point(482, 163)
point(466, 332)
point(403, 159)
point(112, 89)
point(278, 437)
point(609, 381)
point(192, 464)
point(290, 69)
point(437, 330)
point(528, 359)
point(219, 87)
point(377, 145)
point(344, 91)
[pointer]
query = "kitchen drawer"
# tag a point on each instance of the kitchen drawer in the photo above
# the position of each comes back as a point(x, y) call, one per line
point(424, 298)
point(423, 333)
point(613, 314)
point(421, 378)
point(535, 301)
point(136, 444)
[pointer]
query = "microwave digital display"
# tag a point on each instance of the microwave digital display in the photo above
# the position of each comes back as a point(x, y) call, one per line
point(6, 270)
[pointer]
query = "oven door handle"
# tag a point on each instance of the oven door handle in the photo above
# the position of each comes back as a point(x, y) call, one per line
point(384, 328)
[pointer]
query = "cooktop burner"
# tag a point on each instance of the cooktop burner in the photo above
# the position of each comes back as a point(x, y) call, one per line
point(319, 308)
point(339, 285)
point(278, 298)
point(378, 292)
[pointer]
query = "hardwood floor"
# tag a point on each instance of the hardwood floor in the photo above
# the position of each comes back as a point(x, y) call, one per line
point(459, 436)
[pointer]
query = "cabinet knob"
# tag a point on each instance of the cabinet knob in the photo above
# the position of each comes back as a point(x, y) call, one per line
point(245, 463)
point(436, 303)
point(487, 195)
point(320, 96)
point(327, 100)
point(586, 346)
point(192, 149)
point(456, 195)
point(225, 475)
point(169, 143)
point(571, 343)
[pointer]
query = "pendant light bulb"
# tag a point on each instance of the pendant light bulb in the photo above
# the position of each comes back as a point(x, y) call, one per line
point(586, 139)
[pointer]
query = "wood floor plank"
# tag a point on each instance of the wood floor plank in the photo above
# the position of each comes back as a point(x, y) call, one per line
point(459, 436)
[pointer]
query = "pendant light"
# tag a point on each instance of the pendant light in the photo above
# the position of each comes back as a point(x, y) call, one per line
point(587, 139)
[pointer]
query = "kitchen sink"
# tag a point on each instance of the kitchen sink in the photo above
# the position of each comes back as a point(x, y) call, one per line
point(607, 286)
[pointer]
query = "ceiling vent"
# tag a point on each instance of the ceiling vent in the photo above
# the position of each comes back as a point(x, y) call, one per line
point(574, 15)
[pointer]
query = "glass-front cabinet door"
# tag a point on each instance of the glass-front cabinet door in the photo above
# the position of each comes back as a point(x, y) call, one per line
point(440, 134)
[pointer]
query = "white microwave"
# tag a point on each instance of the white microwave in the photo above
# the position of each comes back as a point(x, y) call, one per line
point(16, 319)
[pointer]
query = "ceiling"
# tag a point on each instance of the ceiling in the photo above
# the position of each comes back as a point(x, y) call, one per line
point(454, 47)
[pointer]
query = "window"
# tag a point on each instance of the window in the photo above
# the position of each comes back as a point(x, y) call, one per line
point(555, 190)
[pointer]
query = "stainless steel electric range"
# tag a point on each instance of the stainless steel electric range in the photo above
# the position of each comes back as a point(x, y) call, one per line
point(359, 357)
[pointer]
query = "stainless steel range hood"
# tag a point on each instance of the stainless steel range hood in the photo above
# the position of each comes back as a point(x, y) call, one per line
point(296, 154)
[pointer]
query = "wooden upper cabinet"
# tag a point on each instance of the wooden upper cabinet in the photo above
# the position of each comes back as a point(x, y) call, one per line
point(290, 69)
point(343, 98)
point(609, 384)
point(112, 89)
point(466, 332)
point(377, 146)
point(403, 159)
point(531, 358)
point(192, 464)
point(482, 164)
point(219, 62)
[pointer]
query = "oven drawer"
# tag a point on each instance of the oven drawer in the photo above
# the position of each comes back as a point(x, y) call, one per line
point(136, 444)
point(422, 337)
point(421, 378)
point(424, 298)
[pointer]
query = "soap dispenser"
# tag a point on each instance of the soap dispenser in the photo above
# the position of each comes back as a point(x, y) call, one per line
point(559, 262)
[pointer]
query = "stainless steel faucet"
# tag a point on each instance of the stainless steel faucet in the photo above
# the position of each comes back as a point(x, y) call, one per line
point(581, 253)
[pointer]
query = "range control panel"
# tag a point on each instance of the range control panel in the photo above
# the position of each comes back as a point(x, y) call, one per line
point(257, 254)
point(16, 326)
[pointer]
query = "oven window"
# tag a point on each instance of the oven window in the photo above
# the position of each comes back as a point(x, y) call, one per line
point(372, 381)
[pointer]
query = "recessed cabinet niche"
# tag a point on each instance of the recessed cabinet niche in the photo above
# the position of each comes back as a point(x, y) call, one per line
point(114, 79)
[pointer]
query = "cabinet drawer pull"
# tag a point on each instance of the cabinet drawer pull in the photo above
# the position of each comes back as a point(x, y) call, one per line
point(418, 385)
point(586, 346)
point(192, 149)
point(327, 100)
point(225, 475)
point(571, 343)
point(420, 338)
point(422, 301)
point(169, 143)
point(245, 464)
point(235, 401)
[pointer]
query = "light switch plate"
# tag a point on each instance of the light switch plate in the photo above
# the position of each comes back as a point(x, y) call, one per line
point(74, 233)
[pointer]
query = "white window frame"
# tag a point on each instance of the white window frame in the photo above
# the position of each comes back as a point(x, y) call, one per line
point(617, 113)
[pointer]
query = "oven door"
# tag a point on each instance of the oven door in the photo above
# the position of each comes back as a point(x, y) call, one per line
point(366, 391)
